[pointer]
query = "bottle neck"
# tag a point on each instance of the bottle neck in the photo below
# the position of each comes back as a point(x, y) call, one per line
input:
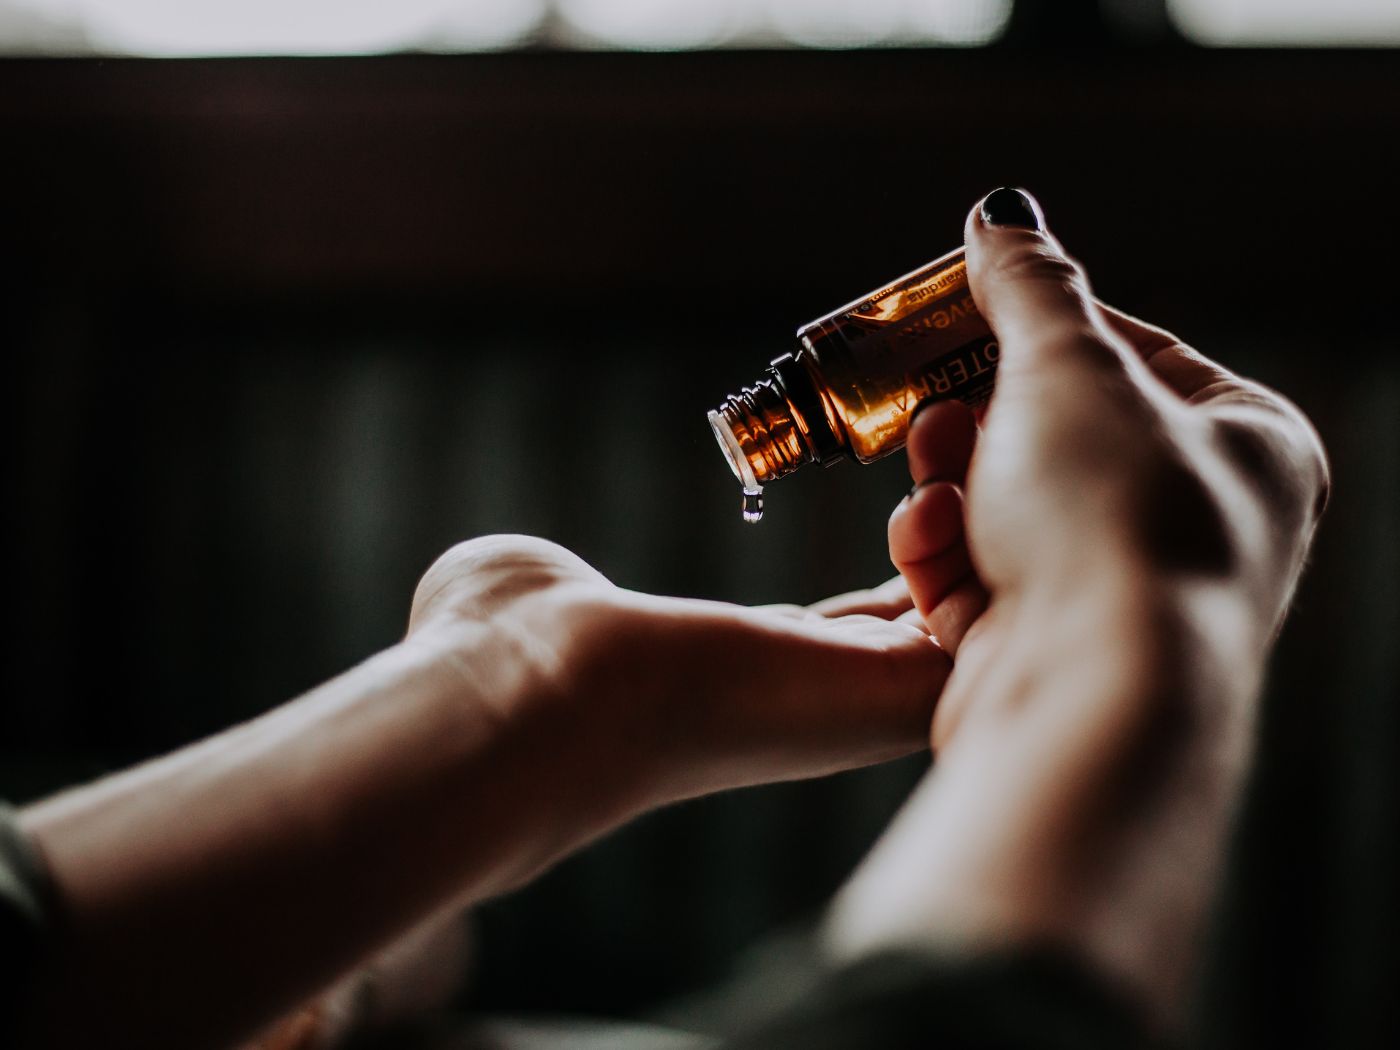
point(758, 431)
point(780, 423)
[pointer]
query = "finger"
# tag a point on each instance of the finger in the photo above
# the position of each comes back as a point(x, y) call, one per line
point(1195, 377)
point(887, 601)
point(941, 438)
point(1259, 429)
point(951, 618)
point(1036, 299)
point(925, 524)
point(926, 544)
point(1185, 370)
point(948, 596)
point(939, 576)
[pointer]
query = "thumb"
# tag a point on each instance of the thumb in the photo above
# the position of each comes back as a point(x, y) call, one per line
point(1035, 298)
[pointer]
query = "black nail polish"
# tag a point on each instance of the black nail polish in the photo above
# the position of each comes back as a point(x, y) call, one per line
point(1012, 207)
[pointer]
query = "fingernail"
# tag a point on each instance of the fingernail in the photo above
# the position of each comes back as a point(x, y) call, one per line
point(917, 486)
point(1012, 207)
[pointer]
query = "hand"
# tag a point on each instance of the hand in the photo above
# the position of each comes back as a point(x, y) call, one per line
point(532, 707)
point(661, 698)
point(1136, 519)
point(666, 698)
point(1112, 453)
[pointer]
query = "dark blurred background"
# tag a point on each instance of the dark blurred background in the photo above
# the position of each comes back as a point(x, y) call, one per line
point(281, 329)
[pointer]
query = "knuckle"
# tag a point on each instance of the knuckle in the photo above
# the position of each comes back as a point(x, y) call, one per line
point(1042, 263)
point(499, 566)
point(1272, 445)
point(498, 552)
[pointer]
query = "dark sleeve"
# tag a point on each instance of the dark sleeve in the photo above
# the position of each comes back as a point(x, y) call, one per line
point(24, 910)
point(1041, 1000)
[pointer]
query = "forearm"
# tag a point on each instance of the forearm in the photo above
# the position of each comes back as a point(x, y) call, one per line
point(1086, 795)
point(274, 857)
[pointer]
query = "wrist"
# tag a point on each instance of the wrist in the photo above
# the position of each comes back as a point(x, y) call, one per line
point(1123, 704)
point(1084, 797)
point(533, 682)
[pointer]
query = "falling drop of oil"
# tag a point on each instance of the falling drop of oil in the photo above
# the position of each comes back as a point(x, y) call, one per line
point(753, 505)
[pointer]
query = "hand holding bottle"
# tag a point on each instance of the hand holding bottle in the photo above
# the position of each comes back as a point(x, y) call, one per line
point(1136, 519)
point(1114, 462)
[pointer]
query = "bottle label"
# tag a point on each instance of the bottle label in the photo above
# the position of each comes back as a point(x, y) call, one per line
point(920, 290)
point(915, 339)
point(965, 373)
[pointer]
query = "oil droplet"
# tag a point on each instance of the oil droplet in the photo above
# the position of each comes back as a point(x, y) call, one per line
point(753, 505)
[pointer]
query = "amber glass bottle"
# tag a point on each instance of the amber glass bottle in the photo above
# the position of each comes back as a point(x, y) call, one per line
point(859, 372)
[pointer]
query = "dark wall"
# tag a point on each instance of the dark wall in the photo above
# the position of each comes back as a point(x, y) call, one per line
point(281, 330)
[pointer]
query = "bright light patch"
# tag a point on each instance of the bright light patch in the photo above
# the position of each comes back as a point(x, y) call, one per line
point(295, 27)
point(330, 27)
point(964, 22)
point(841, 23)
point(1355, 23)
point(661, 25)
point(836, 23)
